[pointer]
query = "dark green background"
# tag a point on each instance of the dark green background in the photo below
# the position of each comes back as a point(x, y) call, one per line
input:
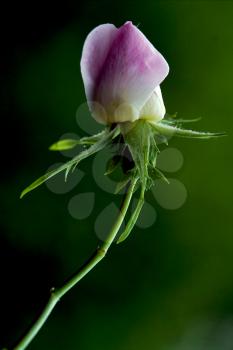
point(169, 287)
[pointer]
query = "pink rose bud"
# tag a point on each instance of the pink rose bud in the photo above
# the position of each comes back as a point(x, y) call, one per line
point(122, 72)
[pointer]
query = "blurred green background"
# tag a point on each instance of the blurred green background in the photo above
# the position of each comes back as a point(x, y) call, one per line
point(168, 287)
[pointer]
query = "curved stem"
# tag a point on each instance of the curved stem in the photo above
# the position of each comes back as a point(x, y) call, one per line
point(58, 293)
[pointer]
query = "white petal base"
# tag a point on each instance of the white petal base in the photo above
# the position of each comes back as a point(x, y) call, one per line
point(154, 109)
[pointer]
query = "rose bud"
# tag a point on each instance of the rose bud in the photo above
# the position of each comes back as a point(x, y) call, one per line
point(122, 72)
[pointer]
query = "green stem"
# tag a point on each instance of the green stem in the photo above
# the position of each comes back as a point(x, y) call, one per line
point(57, 294)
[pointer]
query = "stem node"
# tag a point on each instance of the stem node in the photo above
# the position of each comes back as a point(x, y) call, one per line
point(101, 252)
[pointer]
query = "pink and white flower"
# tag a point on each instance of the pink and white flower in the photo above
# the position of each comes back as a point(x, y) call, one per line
point(122, 73)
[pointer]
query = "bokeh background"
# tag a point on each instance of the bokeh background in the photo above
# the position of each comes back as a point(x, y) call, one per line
point(168, 287)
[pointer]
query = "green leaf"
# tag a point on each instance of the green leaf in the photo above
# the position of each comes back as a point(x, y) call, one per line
point(42, 179)
point(102, 142)
point(64, 145)
point(169, 130)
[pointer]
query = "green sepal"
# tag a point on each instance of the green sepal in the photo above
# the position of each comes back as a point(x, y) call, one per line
point(169, 131)
point(122, 184)
point(172, 118)
point(112, 164)
point(179, 121)
point(159, 139)
point(133, 218)
point(155, 174)
point(138, 137)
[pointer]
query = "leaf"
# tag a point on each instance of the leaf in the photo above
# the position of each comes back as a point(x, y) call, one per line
point(68, 169)
point(169, 130)
point(42, 179)
point(64, 145)
point(104, 139)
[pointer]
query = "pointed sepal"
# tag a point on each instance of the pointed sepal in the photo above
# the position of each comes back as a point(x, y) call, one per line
point(170, 130)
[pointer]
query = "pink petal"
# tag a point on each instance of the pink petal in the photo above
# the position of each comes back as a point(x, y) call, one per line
point(95, 51)
point(121, 67)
